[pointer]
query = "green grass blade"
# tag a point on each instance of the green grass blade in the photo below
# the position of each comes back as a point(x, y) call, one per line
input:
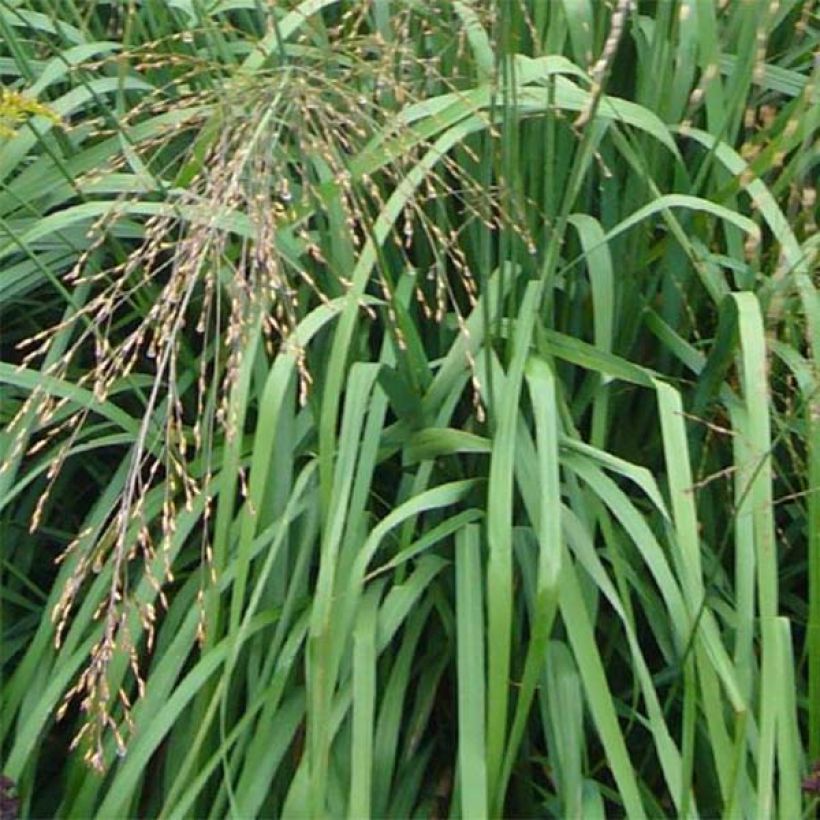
point(472, 762)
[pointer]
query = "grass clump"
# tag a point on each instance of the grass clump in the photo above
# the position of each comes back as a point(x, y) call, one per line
point(410, 409)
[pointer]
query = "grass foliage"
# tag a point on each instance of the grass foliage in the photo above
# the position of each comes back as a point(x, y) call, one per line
point(409, 408)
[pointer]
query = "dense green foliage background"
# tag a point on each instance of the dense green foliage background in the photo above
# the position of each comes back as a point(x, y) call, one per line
point(409, 408)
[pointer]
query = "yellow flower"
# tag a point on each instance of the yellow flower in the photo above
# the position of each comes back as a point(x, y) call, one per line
point(15, 107)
